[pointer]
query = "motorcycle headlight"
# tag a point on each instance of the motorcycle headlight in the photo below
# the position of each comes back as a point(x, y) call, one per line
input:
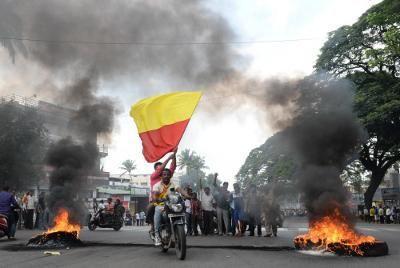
point(173, 198)
point(177, 207)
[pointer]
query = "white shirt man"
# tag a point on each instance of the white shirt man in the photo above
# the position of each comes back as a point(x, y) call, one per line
point(207, 201)
point(31, 202)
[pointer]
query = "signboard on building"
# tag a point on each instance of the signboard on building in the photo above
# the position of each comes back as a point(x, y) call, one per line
point(390, 193)
point(139, 192)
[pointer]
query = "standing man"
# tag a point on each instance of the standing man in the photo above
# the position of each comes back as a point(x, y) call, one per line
point(222, 199)
point(154, 179)
point(30, 209)
point(253, 210)
point(137, 216)
point(207, 203)
point(40, 209)
point(142, 216)
point(196, 214)
point(237, 210)
point(188, 213)
point(7, 204)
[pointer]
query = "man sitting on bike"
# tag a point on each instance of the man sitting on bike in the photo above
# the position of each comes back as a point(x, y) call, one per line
point(160, 192)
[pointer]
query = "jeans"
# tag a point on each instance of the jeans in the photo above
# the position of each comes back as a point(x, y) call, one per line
point(223, 217)
point(189, 223)
point(157, 218)
point(12, 225)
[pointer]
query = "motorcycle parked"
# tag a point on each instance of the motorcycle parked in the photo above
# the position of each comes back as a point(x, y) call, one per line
point(3, 225)
point(107, 220)
point(172, 228)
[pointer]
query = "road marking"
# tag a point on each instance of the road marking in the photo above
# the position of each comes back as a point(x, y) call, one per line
point(390, 229)
point(368, 229)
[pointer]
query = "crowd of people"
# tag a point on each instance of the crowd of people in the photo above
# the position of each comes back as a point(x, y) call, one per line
point(214, 210)
point(222, 212)
point(380, 214)
point(23, 211)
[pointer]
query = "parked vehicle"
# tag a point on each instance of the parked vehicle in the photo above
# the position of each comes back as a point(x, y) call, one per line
point(3, 225)
point(102, 219)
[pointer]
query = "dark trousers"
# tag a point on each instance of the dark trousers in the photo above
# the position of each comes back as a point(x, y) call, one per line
point(189, 223)
point(196, 223)
point(29, 218)
point(208, 222)
point(253, 222)
point(11, 225)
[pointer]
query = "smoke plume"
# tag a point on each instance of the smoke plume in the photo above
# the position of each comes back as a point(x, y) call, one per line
point(95, 34)
point(323, 137)
point(77, 45)
point(71, 163)
point(80, 44)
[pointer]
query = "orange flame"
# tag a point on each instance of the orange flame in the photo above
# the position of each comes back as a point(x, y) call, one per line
point(333, 229)
point(62, 223)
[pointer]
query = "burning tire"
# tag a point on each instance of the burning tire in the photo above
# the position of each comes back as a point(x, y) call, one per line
point(334, 234)
point(59, 239)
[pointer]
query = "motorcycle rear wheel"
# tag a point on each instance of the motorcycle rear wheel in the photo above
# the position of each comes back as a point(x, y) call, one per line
point(180, 242)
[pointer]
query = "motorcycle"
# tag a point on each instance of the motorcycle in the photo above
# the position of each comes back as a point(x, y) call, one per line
point(3, 225)
point(106, 220)
point(172, 228)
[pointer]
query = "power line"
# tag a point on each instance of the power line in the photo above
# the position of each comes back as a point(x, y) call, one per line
point(136, 43)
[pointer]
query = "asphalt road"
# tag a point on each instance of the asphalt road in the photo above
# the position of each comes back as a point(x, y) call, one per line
point(131, 247)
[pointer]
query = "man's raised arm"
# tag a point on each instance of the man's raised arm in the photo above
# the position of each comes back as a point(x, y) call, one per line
point(157, 173)
point(172, 167)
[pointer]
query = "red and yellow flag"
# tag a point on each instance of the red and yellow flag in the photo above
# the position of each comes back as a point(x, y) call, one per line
point(161, 121)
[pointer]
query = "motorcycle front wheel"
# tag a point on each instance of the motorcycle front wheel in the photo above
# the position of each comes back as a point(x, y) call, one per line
point(180, 242)
point(92, 226)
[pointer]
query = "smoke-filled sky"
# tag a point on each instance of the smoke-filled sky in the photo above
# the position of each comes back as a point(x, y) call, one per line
point(128, 73)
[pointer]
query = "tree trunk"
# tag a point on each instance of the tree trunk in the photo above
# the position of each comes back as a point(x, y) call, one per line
point(376, 179)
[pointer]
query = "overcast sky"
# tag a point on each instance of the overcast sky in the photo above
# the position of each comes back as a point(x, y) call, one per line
point(224, 139)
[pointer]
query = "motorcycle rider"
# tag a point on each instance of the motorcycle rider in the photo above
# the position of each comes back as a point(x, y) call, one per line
point(156, 178)
point(7, 204)
point(160, 191)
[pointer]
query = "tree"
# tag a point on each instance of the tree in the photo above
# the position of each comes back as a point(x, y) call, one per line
point(23, 142)
point(269, 163)
point(194, 165)
point(368, 53)
point(128, 166)
point(356, 177)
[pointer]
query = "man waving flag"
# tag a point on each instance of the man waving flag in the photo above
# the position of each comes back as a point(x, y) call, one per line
point(161, 121)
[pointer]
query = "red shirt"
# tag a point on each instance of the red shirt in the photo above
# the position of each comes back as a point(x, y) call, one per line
point(156, 176)
point(196, 207)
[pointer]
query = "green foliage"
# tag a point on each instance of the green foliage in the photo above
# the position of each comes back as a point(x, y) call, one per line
point(368, 53)
point(23, 141)
point(269, 163)
point(356, 177)
point(370, 45)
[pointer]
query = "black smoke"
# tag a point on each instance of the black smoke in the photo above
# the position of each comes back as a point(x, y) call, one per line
point(71, 163)
point(324, 136)
point(81, 36)
point(82, 44)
